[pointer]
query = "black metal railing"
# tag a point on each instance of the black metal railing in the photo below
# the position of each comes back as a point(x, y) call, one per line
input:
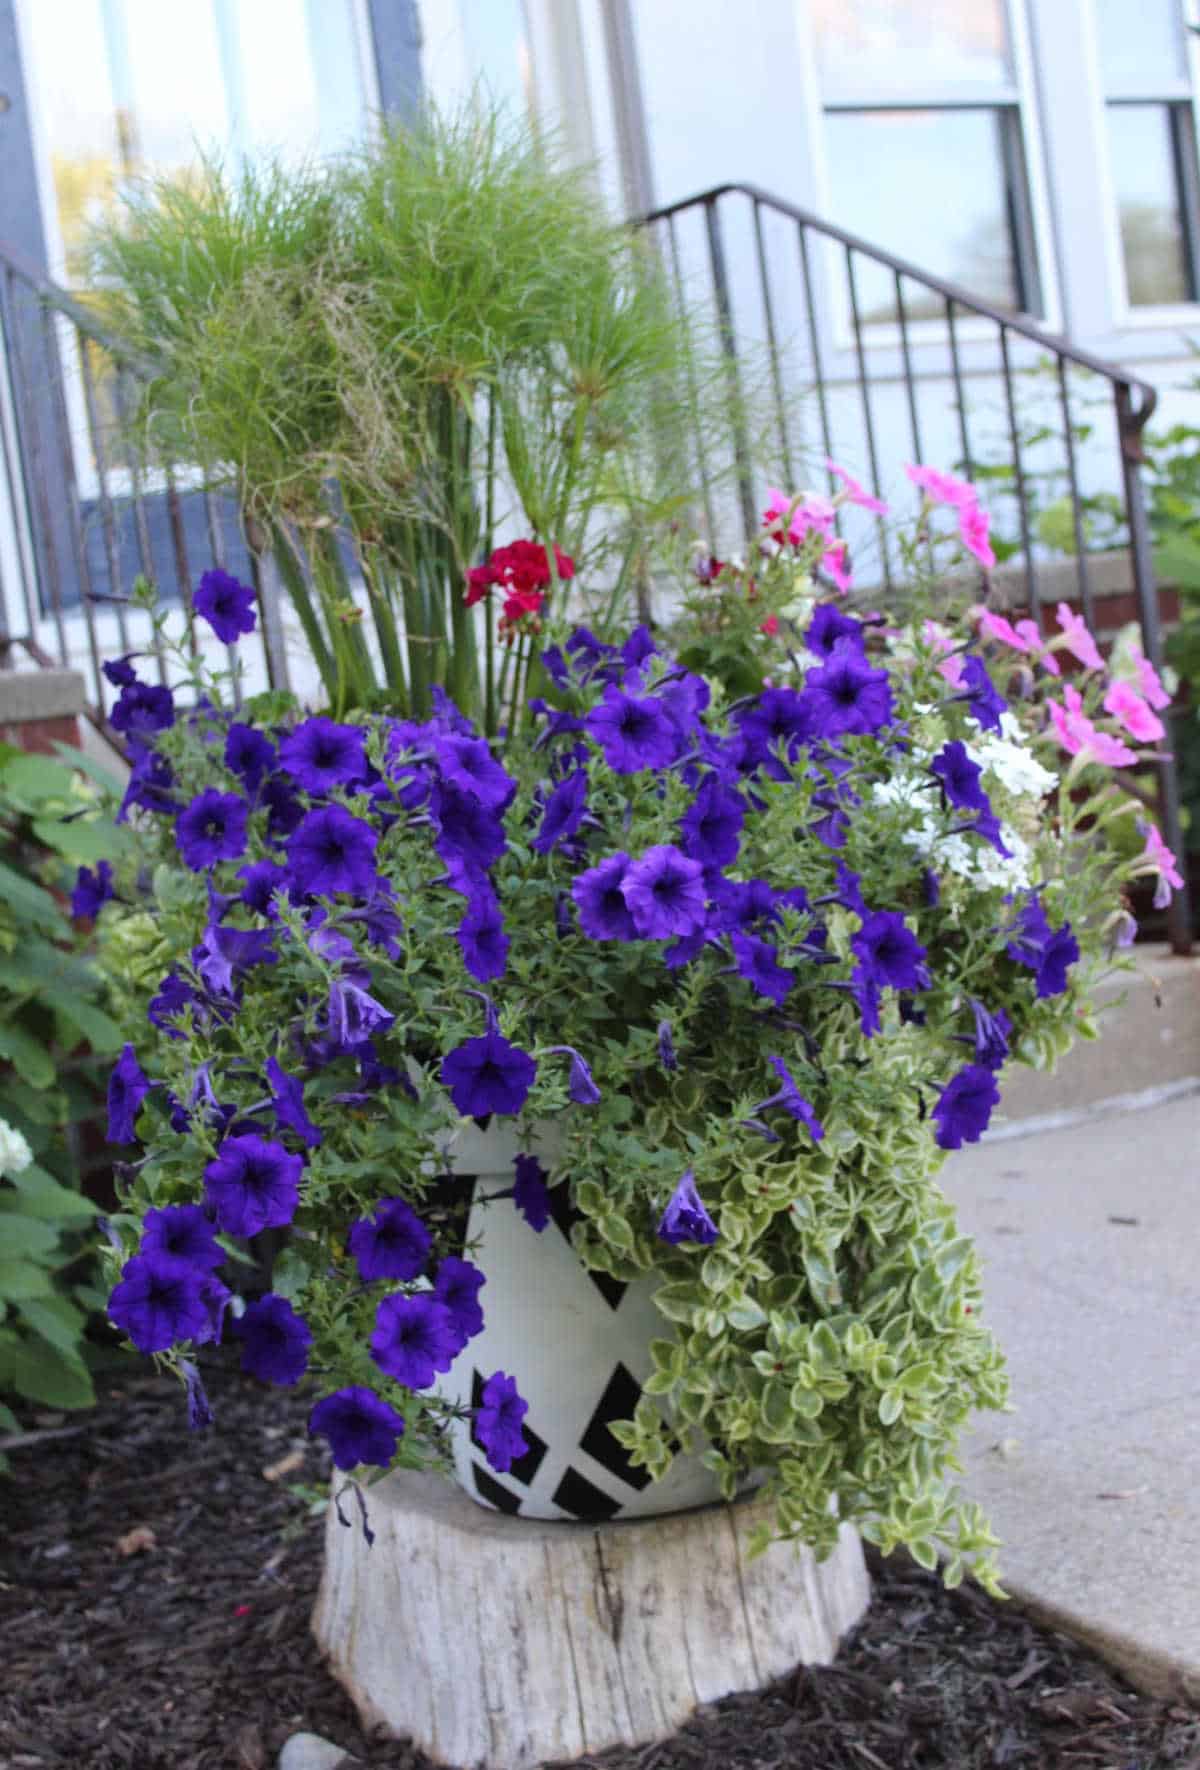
point(862, 354)
point(791, 283)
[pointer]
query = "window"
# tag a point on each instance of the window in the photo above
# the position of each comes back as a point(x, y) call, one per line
point(925, 146)
point(1152, 147)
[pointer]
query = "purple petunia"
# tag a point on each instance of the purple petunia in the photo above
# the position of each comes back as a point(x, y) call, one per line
point(790, 1099)
point(603, 912)
point(200, 1413)
point(888, 953)
point(226, 605)
point(778, 721)
point(354, 1014)
point(321, 754)
point(685, 1218)
point(414, 1338)
point(159, 1302)
point(710, 828)
point(211, 829)
point(331, 852)
point(960, 778)
point(565, 810)
point(181, 1232)
point(666, 1046)
point(829, 628)
point(128, 1086)
point(142, 709)
point(984, 703)
point(263, 879)
point(249, 754)
point(488, 1074)
point(92, 891)
point(120, 671)
point(965, 1106)
point(634, 732)
point(275, 1341)
point(252, 1184)
point(467, 764)
point(470, 836)
point(360, 1427)
point(991, 1036)
point(665, 893)
point(481, 936)
point(457, 1286)
point(391, 1243)
point(531, 1195)
point(498, 1422)
point(847, 696)
point(1047, 951)
point(287, 1097)
point(757, 962)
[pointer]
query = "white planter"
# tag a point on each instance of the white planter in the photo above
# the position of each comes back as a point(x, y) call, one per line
point(577, 1344)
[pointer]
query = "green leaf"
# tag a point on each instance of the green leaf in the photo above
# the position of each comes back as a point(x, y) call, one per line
point(20, 1279)
point(98, 1028)
point(30, 901)
point(891, 1405)
point(953, 1257)
point(55, 1320)
point(34, 779)
point(42, 1374)
point(82, 839)
point(746, 1315)
point(42, 1196)
point(23, 1237)
point(31, 1061)
point(8, 1419)
point(93, 770)
point(290, 1274)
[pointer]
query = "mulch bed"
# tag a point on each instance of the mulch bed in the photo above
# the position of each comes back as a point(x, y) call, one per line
point(185, 1645)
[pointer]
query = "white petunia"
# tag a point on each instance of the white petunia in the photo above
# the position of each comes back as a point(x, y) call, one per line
point(15, 1153)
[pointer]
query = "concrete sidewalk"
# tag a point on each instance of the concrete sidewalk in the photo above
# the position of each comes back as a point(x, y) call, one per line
point(1090, 1238)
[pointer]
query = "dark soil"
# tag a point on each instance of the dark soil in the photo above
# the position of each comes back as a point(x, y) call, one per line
point(192, 1652)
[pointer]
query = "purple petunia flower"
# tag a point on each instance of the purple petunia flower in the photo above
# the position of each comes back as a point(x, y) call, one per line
point(711, 826)
point(169, 1001)
point(829, 627)
point(249, 754)
point(789, 1097)
point(252, 1184)
point(218, 1298)
point(287, 1097)
point(92, 890)
point(985, 704)
point(685, 1218)
point(120, 671)
point(1046, 951)
point(181, 1232)
point(757, 962)
point(457, 1286)
point(128, 1086)
point(960, 778)
point(263, 878)
point(666, 1046)
point(275, 1341)
point(931, 888)
point(603, 912)
point(965, 1106)
point(888, 954)
point(470, 836)
point(225, 951)
point(331, 852)
point(414, 1338)
point(531, 1195)
point(565, 810)
point(582, 1085)
point(847, 696)
point(665, 893)
point(150, 785)
point(321, 754)
point(991, 1036)
point(467, 763)
point(360, 1427)
point(200, 1413)
point(634, 732)
point(488, 1074)
point(354, 1014)
point(226, 605)
point(481, 936)
point(498, 1422)
point(778, 721)
point(158, 1302)
point(142, 709)
point(391, 1243)
point(211, 829)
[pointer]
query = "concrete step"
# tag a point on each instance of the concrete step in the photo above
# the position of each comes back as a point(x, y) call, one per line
point(1149, 1047)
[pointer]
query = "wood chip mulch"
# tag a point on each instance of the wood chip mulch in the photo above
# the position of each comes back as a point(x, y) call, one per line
point(155, 1591)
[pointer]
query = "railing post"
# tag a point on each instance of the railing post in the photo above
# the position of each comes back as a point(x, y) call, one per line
point(1130, 423)
point(716, 258)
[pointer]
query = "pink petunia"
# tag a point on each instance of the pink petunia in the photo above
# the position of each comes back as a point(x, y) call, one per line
point(942, 488)
point(1077, 734)
point(814, 512)
point(951, 668)
point(1127, 706)
point(1150, 683)
point(856, 493)
point(996, 627)
point(1078, 639)
point(973, 523)
point(770, 626)
point(836, 562)
point(1163, 862)
point(1032, 635)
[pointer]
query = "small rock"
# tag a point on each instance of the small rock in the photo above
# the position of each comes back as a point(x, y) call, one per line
point(308, 1751)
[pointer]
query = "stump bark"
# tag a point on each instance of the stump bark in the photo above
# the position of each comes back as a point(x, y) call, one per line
point(496, 1642)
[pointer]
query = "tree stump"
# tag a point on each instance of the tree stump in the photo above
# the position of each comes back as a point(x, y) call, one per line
point(497, 1642)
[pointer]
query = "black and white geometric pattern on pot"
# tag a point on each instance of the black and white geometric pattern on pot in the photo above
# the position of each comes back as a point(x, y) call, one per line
point(577, 1343)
